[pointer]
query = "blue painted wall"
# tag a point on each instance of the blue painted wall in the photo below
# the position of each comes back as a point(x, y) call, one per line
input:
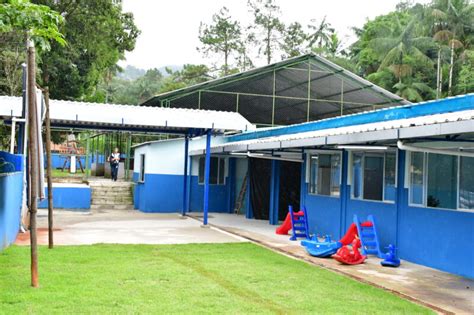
point(73, 197)
point(11, 187)
point(164, 193)
point(442, 239)
point(11, 190)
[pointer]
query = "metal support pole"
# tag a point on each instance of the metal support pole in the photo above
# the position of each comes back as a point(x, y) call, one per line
point(12, 137)
point(237, 103)
point(185, 182)
point(199, 99)
point(274, 192)
point(342, 97)
point(273, 98)
point(33, 161)
point(87, 157)
point(127, 159)
point(49, 175)
point(309, 91)
point(206, 176)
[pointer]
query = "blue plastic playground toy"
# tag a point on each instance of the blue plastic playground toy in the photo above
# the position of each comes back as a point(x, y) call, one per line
point(316, 248)
point(391, 259)
point(299, 224)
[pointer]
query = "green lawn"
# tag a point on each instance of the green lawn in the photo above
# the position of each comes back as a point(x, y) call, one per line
point(206, 278)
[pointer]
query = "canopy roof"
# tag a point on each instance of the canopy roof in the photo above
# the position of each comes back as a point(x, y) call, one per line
point(432, 120)
point(130, 117)
point(296, 90)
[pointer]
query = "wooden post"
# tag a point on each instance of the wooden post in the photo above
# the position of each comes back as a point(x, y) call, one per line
point(33, 157)
point(48, 169)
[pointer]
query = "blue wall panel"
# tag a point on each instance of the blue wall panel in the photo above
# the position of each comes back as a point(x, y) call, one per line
point(218, 195)
point(11, 187)
point(324, 214)
point(68, 198)
point(164, 193)
point(437, 238)
point(385, 218)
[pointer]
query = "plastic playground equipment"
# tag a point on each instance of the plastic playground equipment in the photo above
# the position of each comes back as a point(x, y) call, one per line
point(350, 256)
point(361, 235)
point(391, 259)
point(297, 222)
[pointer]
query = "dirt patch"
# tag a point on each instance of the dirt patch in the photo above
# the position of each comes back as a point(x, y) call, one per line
point(42, 233)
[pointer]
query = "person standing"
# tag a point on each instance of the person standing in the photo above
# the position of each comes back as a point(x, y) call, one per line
point(114, 160)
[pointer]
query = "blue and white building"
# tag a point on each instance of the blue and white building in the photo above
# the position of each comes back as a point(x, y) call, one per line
point(410, 166)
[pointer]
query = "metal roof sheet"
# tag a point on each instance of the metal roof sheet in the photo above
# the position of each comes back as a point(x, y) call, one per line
point(460, 121)
point(131, 116)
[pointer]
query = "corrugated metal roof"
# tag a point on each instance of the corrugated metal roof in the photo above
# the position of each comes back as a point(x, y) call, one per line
point(460, 121)
point(130, 116)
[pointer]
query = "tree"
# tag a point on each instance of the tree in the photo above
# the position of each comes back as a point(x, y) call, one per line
point(266, 18)
point(320, 35)
point(189, 75)
point(413, 91)
point(221, 37)
point(294, 40)
point(98, 34)
point(457, 18)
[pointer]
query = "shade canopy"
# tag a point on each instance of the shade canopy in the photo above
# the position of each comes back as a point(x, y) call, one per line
point(301, 89)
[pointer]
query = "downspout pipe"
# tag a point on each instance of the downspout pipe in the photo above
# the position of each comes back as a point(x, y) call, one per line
point(405, 147)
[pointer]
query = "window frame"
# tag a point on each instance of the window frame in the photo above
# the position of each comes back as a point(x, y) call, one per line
point(219, 161)
point(141, 174)
point(318, 152)
point(351, 178)
point(425, 183)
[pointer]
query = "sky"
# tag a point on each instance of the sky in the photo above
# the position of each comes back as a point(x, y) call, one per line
point(170, 28)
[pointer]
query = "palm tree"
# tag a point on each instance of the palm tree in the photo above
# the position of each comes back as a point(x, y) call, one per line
point(413, 91)
point(321, 34)
point(456, 16)
point(395, 50)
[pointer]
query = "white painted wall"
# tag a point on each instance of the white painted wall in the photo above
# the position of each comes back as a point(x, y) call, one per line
point(167, 156)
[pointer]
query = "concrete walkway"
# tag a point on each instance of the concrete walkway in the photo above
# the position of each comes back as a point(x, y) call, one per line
point(124, 227)
point(444, 292)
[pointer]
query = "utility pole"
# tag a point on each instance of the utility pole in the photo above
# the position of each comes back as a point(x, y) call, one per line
point(33, 160)
point(48, 169)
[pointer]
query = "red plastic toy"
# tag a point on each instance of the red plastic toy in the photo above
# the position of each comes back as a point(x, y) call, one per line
point(350, 257)
point(286, 225)
point(352, 233)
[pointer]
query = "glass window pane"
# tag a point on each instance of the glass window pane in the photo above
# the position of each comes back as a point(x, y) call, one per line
point(214, 168)
point(373, 177)
point(466, 183)
point(390, 173)
point(442, 181)
point(201, 170)
point(335, 174)
point(142, 168)
point(416, 178)
point(324, 174)
point(221, 171)
point(313, 174)
point(357, 175)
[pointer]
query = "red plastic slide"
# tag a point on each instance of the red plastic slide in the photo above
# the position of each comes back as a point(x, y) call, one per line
point(286, 225)
point(352, 232)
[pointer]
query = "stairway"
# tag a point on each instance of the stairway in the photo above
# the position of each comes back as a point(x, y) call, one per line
point(299, 224)
point(109, 195)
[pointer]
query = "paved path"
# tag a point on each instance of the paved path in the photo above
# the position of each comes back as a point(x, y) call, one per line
point(442, 291)
point(124, 227)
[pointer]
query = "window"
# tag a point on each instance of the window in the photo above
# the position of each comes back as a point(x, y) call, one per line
point(141, 175)
point(325, 170)
point(374, 176)
point(441, 181)
point(466, 183)
point(217, 171)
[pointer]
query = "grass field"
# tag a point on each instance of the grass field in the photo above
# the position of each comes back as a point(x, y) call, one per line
point(235, 278)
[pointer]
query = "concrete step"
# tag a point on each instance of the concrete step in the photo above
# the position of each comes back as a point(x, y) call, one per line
point(111, 201)
point(112, 207)
point(111, 184)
